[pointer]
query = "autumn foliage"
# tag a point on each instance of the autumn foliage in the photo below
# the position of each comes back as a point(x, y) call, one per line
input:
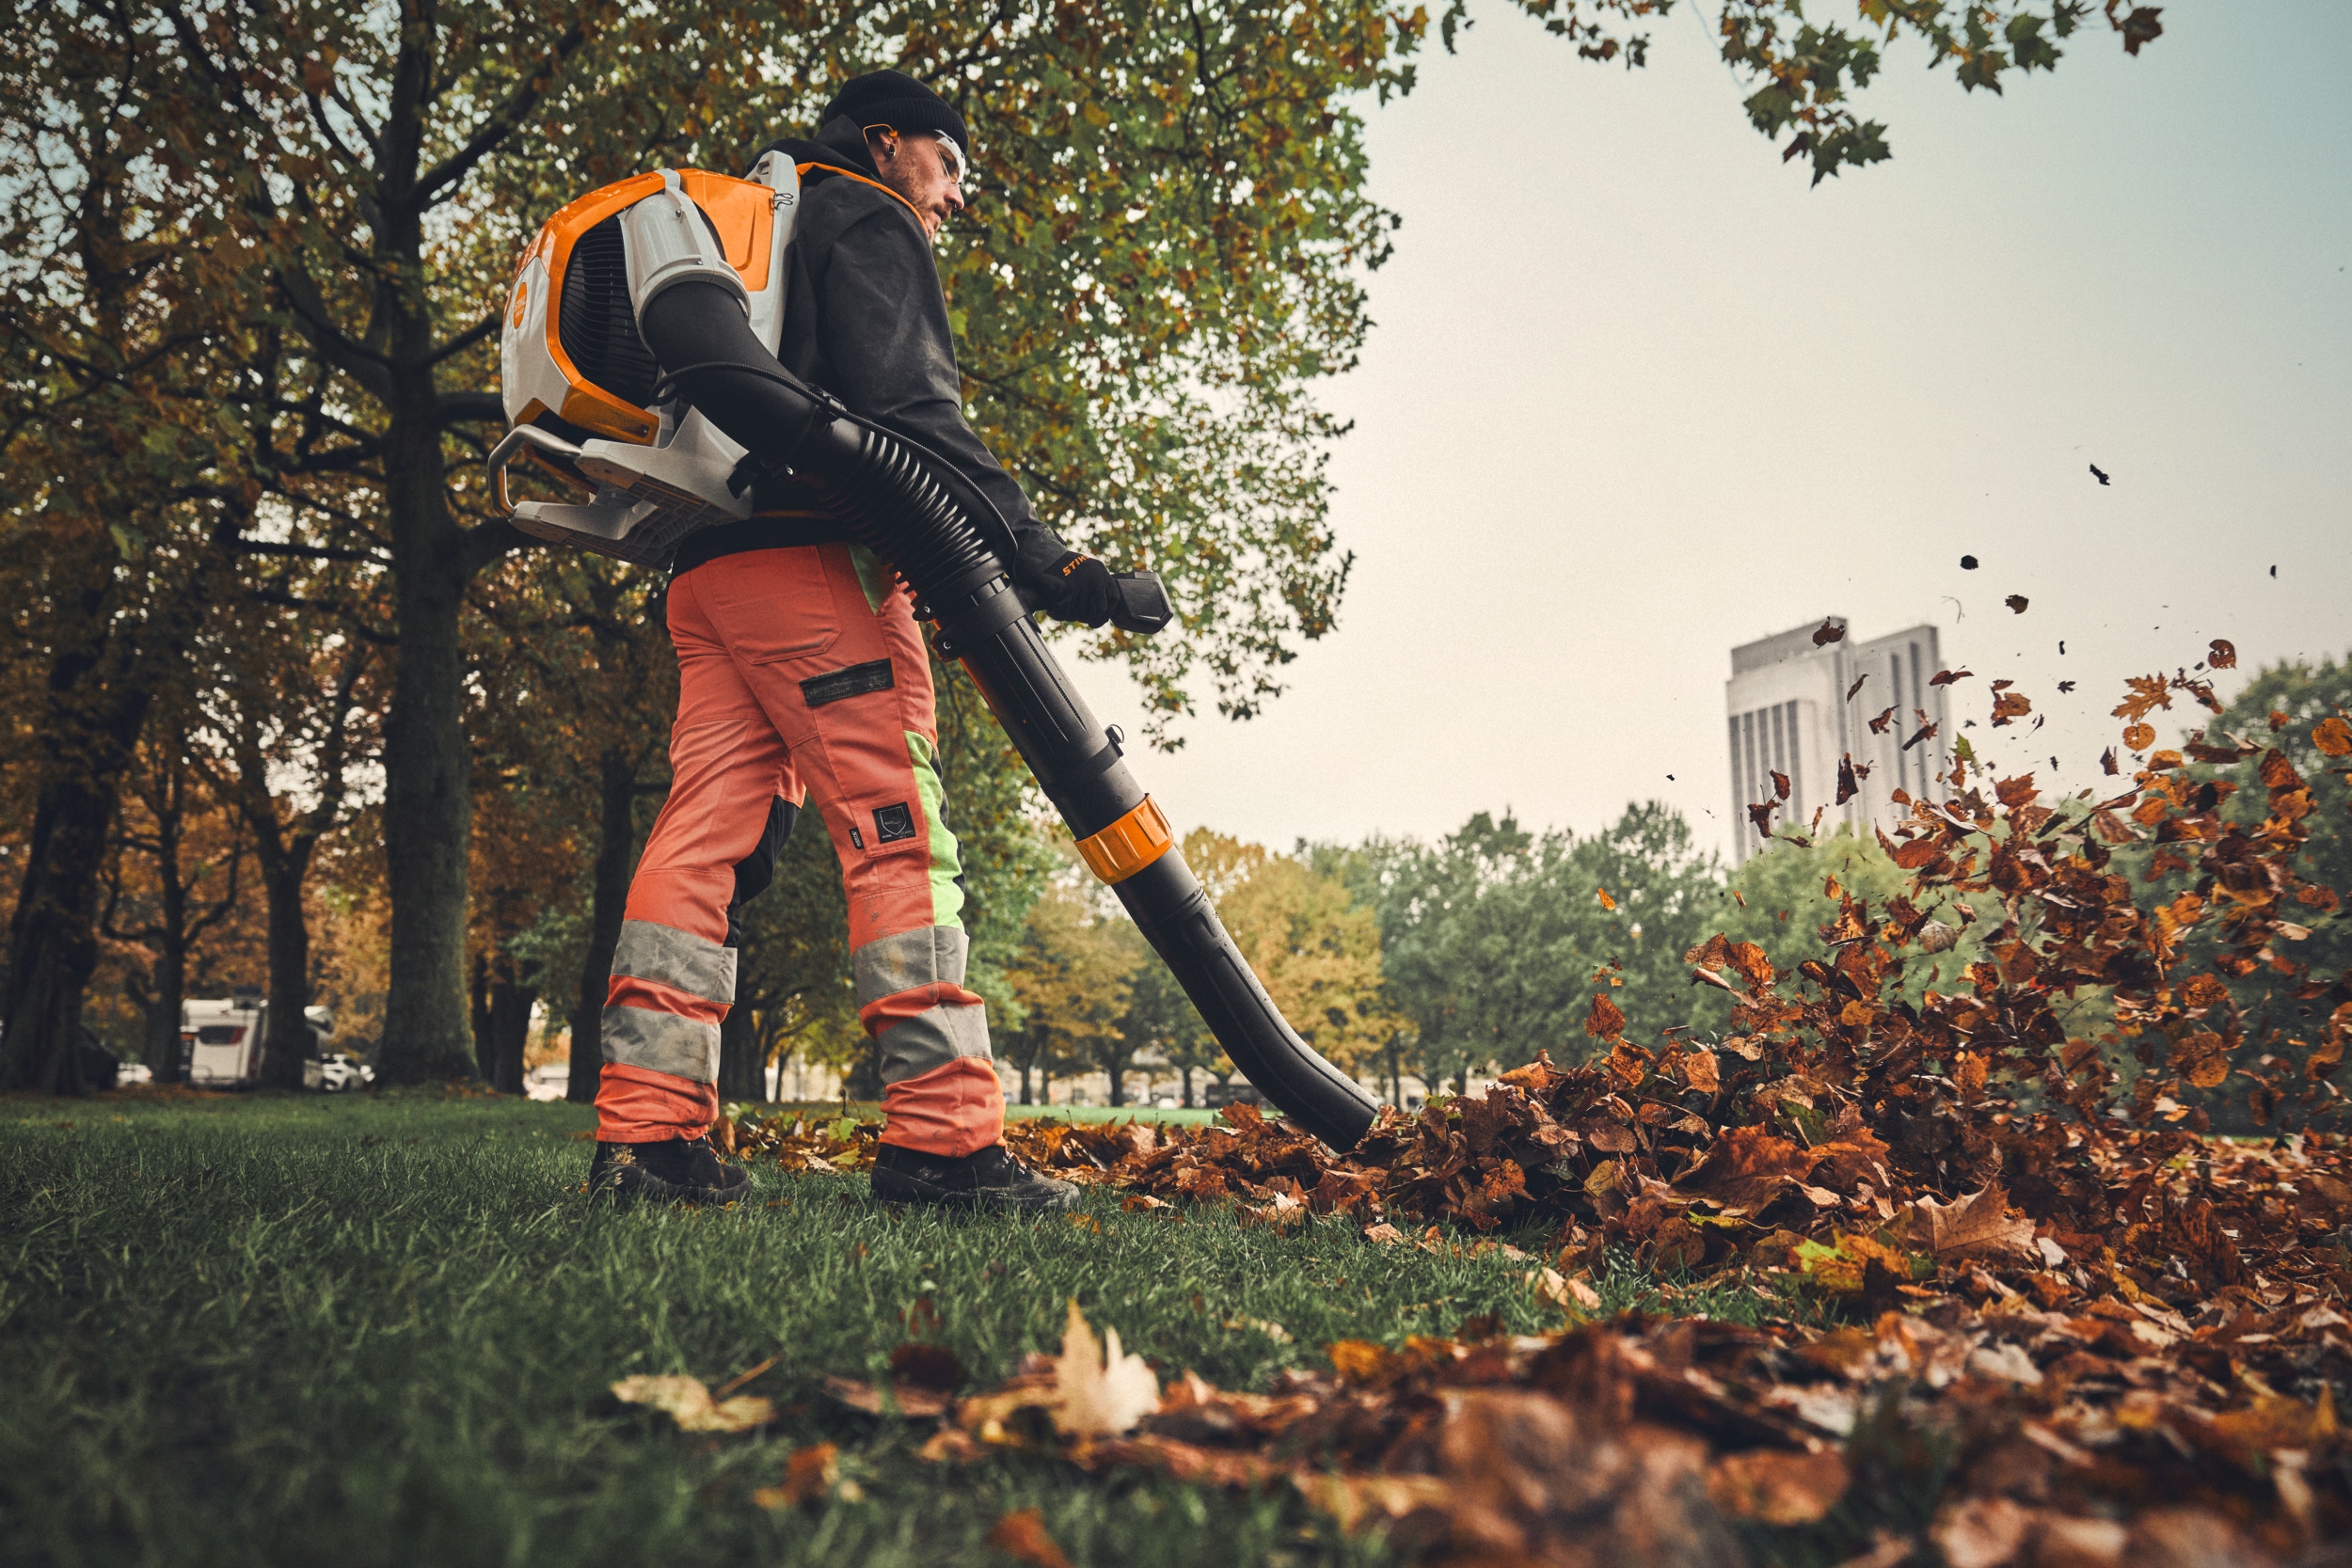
point(1992, 1237)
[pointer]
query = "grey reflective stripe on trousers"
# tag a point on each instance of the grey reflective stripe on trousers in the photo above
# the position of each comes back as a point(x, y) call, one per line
point(669, 957)
point(932, 1038)
point(663, 1042)
point(927, 956)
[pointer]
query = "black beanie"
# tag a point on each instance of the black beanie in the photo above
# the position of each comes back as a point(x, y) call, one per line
point(894, 99)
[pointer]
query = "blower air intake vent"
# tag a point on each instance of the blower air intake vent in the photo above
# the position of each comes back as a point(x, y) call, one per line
point(594, 323)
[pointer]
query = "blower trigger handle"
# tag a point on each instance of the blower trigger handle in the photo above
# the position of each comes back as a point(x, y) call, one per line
point(1143, 603)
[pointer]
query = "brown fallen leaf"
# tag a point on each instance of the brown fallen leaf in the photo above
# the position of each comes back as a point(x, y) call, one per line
point(808, 1475)
point(913, 1401)
point(1383, 1234)
point(1021, 1537)
point(1778, 1486)
point(687, 1401)
point(1981, 1532)
point(1099, 1389)
point(1974, 1225)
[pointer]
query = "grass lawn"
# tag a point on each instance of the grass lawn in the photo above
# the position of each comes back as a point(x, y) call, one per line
point(380, 1329)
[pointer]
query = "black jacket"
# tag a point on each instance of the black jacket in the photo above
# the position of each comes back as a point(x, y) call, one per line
point(865, 318)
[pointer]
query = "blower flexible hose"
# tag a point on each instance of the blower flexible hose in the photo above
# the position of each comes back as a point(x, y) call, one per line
point(903, 510)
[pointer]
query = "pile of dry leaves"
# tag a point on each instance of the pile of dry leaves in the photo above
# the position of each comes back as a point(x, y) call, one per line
point(2124, 1337)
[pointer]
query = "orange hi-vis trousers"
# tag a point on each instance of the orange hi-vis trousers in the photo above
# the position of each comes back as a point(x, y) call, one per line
point(801, 674)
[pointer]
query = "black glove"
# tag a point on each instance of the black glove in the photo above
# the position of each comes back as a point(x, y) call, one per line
point(1080, 588)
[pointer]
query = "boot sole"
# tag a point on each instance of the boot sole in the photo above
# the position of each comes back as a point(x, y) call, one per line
point(897, 1189)
point(630, 1185)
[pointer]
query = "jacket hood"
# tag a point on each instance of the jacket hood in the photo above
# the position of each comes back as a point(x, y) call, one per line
point(839, 144)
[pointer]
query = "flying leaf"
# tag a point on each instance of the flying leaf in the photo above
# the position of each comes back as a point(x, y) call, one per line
point(687, 1401)
point(2138, 738)
point(2010, 707)
point(2016, 603)
point(1974, 1226)
point(1828, 632)
point(2333, 737)
point(2147, 694)
point(1948, 677)
point(2139, 26)
point(1857, 685)
point(2202, 1058)
point(1099, 1391)
point(1780, 784)
point(1606, 902)
point(1604, 1022)
point(1878, 726)
point(2222, 654)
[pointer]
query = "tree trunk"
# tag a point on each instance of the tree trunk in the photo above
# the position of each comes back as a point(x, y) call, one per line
point(428, 792)
point(90, 724)
point(287, 1043)
point(864, 1079)
point(479, 1014)
point(616, 788)
point(1115, 1074)
point(1187, 1075)
point(742, 1074)
point(167, 980)
point(1024, 1085)
point(162, 1010)
point(511, 1002)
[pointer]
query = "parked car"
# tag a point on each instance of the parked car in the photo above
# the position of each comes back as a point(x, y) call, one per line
point(336, 1071)
point(134, 1073)
point(1216, 1094)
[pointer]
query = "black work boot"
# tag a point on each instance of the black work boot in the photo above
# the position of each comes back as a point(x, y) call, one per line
point(991, 1178)
point(674, 1170)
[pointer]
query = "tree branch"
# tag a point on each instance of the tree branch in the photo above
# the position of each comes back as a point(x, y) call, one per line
point(465, 407)
point(504, 121)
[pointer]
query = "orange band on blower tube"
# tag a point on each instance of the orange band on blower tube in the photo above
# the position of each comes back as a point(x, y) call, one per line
point(1128, 845)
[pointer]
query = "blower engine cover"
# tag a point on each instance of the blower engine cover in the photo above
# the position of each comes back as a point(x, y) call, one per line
point(580, 385)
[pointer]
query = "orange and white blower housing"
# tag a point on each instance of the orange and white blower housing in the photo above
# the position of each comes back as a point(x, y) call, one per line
point(584, 398)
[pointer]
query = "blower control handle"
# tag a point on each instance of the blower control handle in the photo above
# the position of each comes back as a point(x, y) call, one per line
point(1143, 603)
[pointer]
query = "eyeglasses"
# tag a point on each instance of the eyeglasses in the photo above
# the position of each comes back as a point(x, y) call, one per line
point(950, 155)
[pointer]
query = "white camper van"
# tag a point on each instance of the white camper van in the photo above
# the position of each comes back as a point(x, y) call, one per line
point(224, 1042)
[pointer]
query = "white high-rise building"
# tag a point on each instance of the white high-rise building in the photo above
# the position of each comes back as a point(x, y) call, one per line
point(1789, 712)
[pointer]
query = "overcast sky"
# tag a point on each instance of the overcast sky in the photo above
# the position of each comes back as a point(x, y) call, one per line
point(1636, 394)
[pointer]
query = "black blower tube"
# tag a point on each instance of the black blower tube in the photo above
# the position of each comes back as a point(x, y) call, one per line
point(899, 509)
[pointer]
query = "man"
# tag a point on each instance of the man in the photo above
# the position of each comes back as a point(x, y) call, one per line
point(803, 677)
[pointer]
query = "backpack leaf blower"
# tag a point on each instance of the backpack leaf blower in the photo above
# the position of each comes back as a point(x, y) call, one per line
point(639, 365)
